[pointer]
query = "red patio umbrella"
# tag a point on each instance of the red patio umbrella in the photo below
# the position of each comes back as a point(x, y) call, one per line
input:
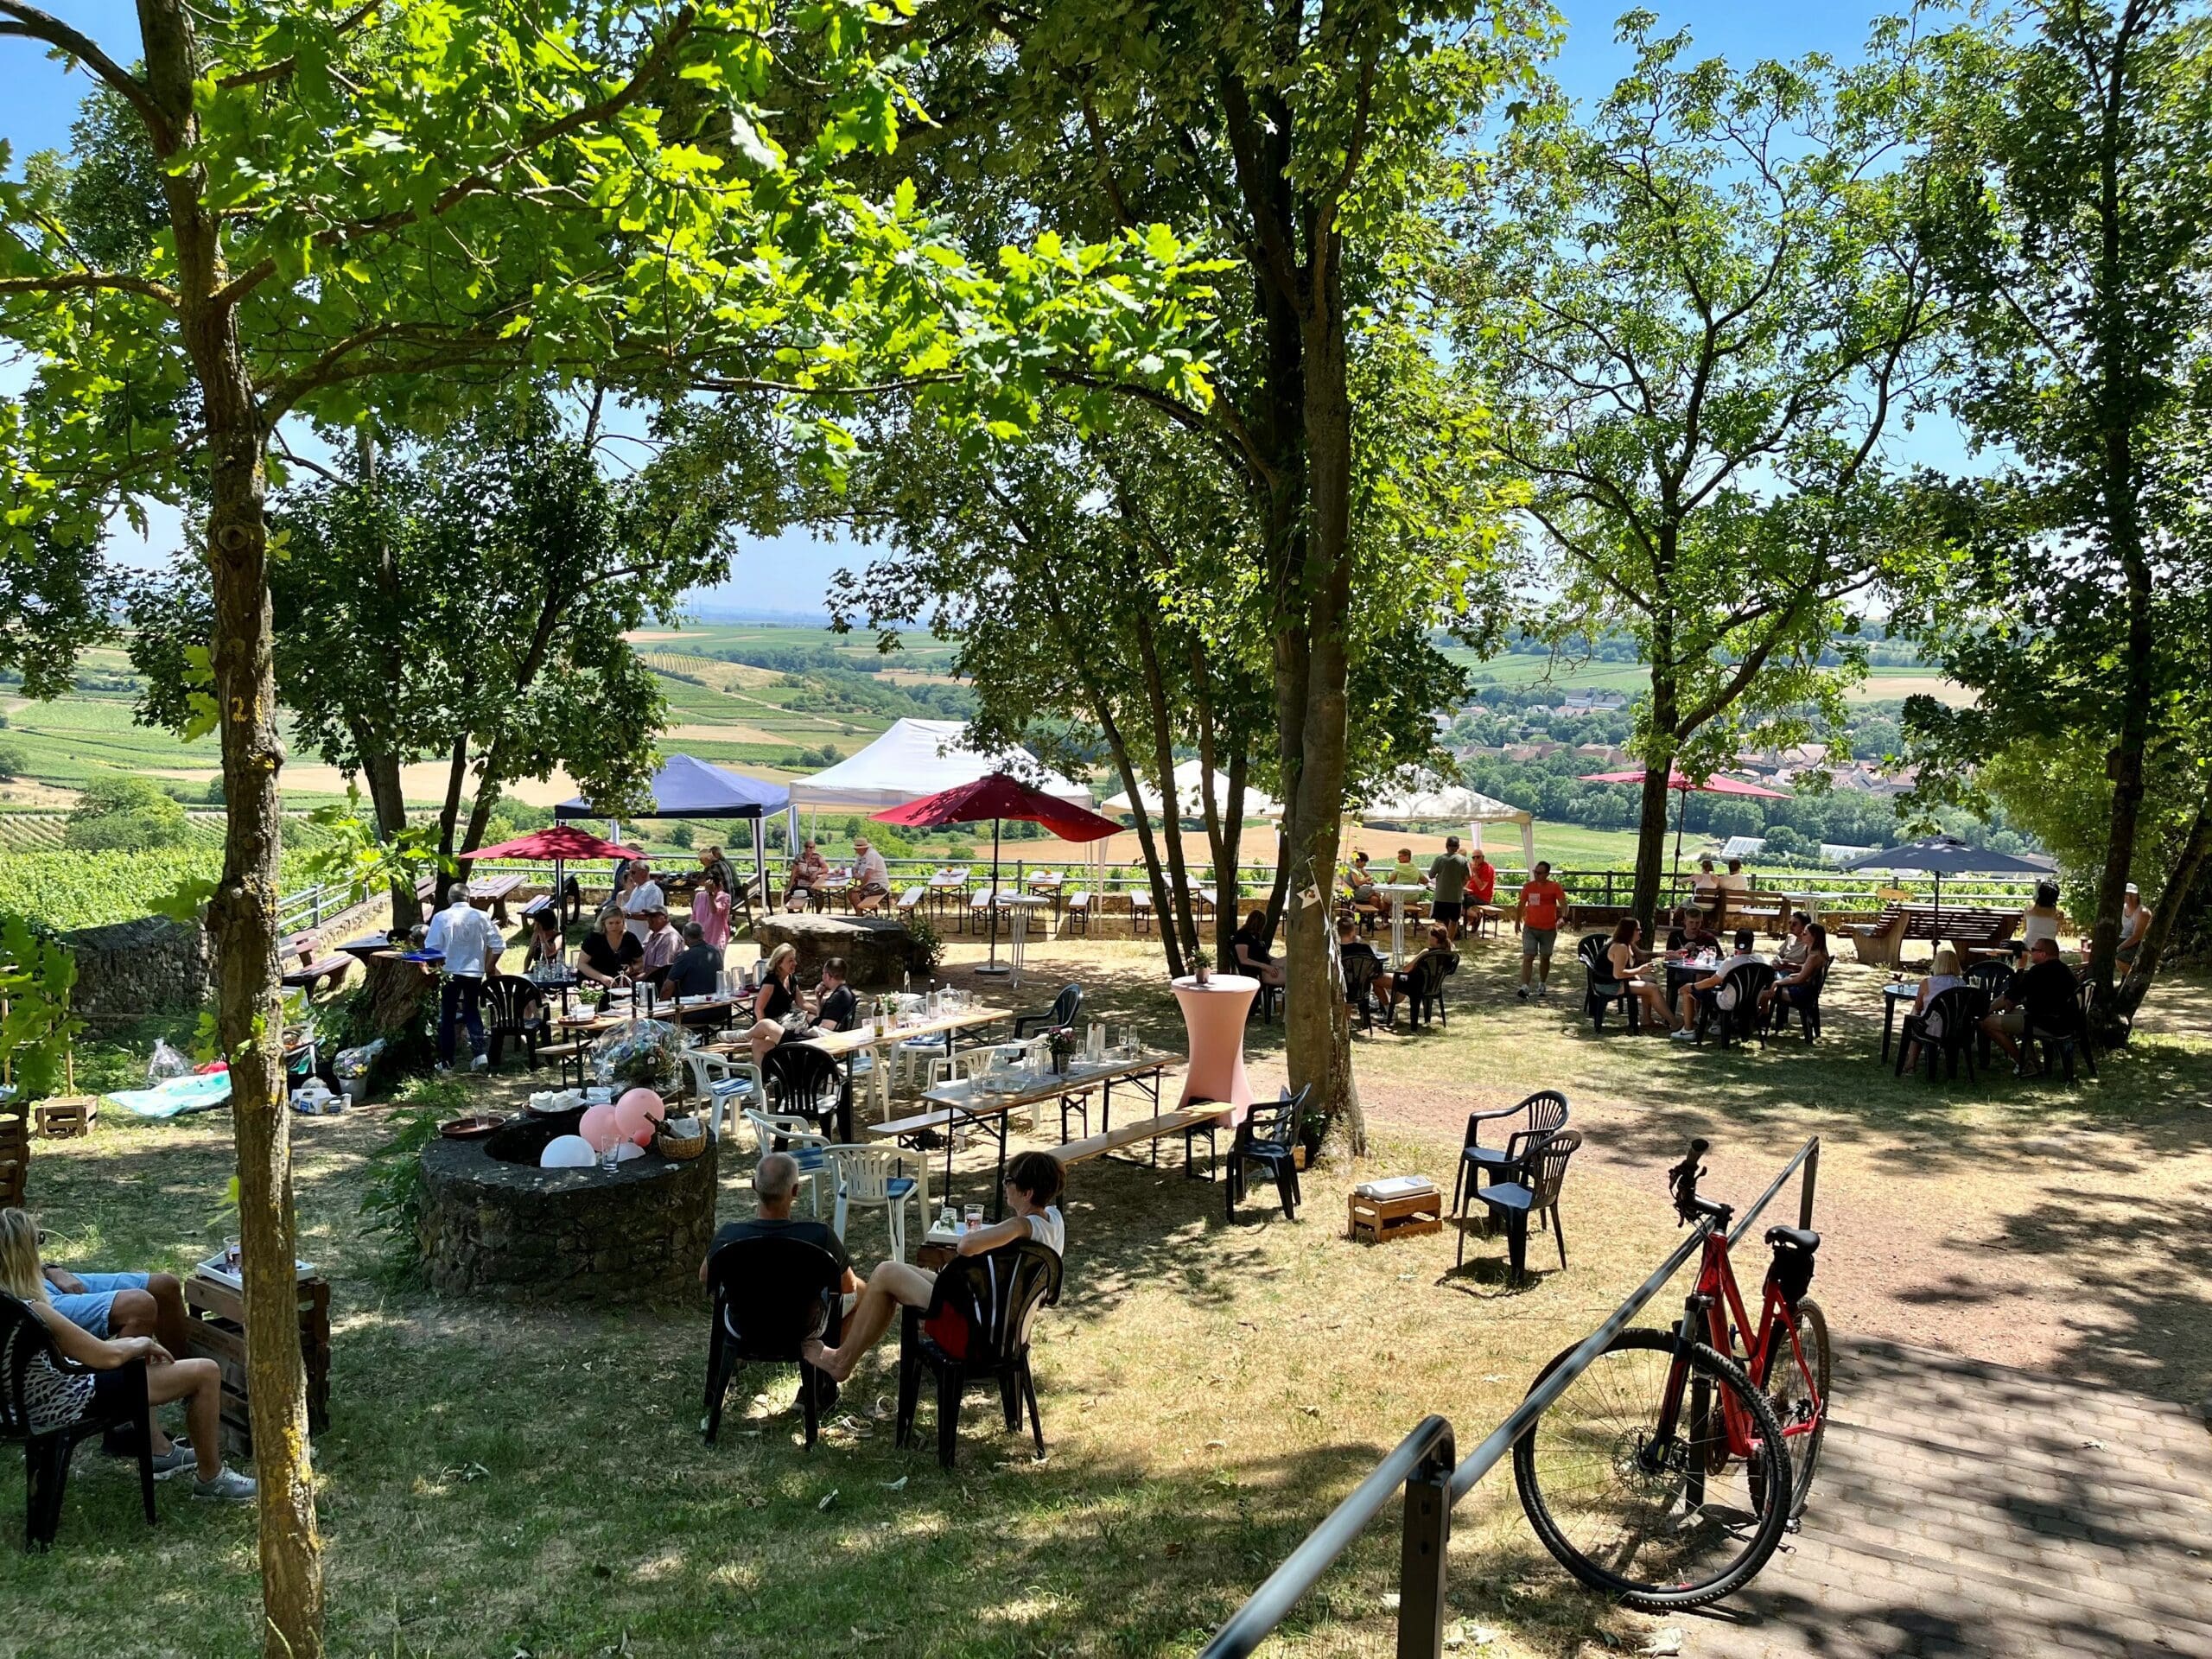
point(998, 797)
point(1680, 782)
point(561, 842)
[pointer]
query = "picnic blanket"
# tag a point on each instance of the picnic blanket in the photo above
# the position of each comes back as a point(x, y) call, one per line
point(175, 1097)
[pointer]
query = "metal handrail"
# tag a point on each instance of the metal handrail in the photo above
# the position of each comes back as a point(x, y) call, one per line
point(1429, 1521)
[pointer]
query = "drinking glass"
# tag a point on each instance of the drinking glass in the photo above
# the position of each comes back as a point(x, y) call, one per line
point(974, 1219)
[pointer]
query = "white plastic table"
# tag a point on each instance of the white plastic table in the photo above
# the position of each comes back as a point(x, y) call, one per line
point(1401, 893)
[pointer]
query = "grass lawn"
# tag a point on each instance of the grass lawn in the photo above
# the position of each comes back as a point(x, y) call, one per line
point(501, 1479)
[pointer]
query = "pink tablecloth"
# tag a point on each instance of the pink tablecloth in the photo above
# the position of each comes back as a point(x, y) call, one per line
point(1213, 1015)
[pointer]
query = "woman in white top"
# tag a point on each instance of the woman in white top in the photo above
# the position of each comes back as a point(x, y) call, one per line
point(2040, 920)
point(1033, 1181)
point(1945, 977)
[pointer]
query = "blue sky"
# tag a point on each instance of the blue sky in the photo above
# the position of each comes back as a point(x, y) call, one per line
point(791, 574)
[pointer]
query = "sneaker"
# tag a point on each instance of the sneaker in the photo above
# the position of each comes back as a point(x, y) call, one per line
point(178, 1457)
point(481, 1063)
point(1685, 1035)
point(442, 1067)
point(228, 1487)
point(1524, 993)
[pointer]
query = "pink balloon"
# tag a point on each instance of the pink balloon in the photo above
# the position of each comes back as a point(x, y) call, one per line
point(599, 1128)
point(636, 1113)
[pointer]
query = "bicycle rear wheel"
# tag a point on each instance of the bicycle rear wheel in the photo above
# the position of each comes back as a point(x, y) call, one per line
point(1660, 1524)
point(1793, 1402)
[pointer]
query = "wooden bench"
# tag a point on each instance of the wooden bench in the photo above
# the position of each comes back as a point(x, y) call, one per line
point(1971, 928)
point(1150, 1129)
point(312, 970)
point(1075, 917)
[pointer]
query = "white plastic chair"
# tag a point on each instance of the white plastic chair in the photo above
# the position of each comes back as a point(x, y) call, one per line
point(722, 1084)
point(798, 1136)
point(869, 1175)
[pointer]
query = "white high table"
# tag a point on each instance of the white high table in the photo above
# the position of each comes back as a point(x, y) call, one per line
point(1401, 893)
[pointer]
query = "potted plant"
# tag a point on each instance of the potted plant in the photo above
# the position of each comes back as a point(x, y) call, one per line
point(1201, 962)
point(1063, 1046)
point(1312, 1126)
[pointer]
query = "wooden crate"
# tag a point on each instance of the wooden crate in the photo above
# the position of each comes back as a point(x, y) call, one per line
point(217, 1313)
point(66, 1116)
point(1377, 1221)
point(14, 1156)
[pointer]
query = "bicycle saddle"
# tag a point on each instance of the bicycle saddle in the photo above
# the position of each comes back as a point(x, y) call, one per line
point(1803, 1239)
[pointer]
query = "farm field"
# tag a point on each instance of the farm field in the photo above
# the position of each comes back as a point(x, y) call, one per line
point(1883, 684)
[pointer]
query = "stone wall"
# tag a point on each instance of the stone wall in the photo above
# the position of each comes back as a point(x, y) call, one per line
point(876, 951)
point(127, 970)
point(577, 1235)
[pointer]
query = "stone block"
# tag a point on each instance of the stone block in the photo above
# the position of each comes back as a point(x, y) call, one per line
point(877, 950)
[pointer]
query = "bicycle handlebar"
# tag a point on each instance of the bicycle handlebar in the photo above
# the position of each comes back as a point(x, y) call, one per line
point(1682, 1181)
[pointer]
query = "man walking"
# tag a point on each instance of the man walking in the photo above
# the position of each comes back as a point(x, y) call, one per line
point(473, 947)
point(1539, 905)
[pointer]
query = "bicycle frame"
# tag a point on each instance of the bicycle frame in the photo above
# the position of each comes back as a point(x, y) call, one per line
point(1714, 1302)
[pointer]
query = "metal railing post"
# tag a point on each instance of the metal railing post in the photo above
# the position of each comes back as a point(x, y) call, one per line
point(1805, 1190)
point(1422, 1555)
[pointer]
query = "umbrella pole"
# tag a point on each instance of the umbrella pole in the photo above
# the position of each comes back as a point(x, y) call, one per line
point(992, 909)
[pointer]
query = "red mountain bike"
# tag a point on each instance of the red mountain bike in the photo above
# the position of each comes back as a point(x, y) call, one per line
point(1668, 1471)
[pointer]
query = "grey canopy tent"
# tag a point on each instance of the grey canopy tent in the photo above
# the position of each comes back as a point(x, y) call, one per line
point(686, 787)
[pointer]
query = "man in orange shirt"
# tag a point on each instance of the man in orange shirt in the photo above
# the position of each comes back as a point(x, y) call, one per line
point(1539, 907)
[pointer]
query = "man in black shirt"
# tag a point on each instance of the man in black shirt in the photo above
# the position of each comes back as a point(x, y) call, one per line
point(835, 1006)
point(2043, 996)
point(775, 1183)
point(696, 966)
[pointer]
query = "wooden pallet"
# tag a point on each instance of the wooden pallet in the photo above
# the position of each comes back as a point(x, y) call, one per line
point(1377, 1221)
point(217, 1331)
point(14, 1156)
point(64, 1117)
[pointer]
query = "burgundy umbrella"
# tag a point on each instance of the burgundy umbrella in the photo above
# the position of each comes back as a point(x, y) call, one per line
point(998, 797)
point(561, 842)
point(1684, 786)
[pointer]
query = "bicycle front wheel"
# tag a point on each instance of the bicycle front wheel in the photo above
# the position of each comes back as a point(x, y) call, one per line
point(1660, 1522)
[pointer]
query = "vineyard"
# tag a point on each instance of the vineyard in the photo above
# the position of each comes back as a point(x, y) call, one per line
point(68, 890)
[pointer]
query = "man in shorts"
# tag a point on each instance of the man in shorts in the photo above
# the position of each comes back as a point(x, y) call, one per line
point(1450, 872)
point(115, 1307)
point(1540, 901)
point(2043, 997)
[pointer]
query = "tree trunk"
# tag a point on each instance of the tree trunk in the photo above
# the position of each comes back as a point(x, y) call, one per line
point(449, 812)
point(390, 801)
point(2165, 919)
point(479, 814)
point(1163, 761)
point(242, 914)
point(1651, 818)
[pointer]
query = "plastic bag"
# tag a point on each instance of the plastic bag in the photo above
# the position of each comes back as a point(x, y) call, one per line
point(166, 1063)
point(356, 1062)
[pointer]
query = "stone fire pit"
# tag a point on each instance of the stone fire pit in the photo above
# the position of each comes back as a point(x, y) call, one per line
point(493, 1220)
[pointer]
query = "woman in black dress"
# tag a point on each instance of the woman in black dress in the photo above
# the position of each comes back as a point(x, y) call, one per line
point(778, 996)
point(610, 957)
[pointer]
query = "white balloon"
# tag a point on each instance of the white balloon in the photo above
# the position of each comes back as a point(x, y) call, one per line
point(567, 1152)
point(626, 1150)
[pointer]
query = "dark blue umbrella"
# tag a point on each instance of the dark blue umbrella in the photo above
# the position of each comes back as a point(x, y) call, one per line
point(1943, 856)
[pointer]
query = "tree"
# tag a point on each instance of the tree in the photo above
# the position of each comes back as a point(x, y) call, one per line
point(15, 760)
point(124, 813)
point(1306, 140)
point(395, 208)
point(2070, 215)
point(1704, 311)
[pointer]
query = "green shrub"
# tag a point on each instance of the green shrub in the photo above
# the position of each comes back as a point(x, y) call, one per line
point(680, 836)
point(15, 760)
point(122, 813)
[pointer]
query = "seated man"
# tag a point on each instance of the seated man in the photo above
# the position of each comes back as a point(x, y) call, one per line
point(1351, 948)
point(871, 877)
point(835, 1006)
point(2043, 996)
point(1715, 985)
point(1033, 1181)
point(1691, 933)
point(694, 972)
point(775, 1185)
point(1482, 882)
point(1359, 887)
point(657, 951)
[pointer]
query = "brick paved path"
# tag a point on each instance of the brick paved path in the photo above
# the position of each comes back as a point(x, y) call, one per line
point(1966, 1508)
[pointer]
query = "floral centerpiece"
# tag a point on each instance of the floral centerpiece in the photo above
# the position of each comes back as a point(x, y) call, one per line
point(641, 1055)
point(1062, 1042)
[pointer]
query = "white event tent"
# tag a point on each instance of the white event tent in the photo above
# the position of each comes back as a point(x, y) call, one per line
point(916, 758)
point(1457, 804)
point(1189, 796)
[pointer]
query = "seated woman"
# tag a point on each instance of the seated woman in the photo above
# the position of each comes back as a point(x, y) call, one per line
point(2040, 920)
point(778, 996)
point(809, 871)
point(610, 957)
point(1625, 961)
point(542, 946)
point(1801, 983)
point(1253, 956)
point(1033, 1181)
point(57, 1398)
point(1932, 985)
point(1359, 885)
point(1390, 987)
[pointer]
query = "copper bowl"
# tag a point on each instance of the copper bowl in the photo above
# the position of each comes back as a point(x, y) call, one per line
point(470, 1128)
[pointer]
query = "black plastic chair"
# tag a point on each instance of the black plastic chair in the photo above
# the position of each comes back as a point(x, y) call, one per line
point(803, 1081)
point(2077, 1039)
point(1955, 1017)
point(1268, 1137)
point(1425, 992)
point(505, 997)
point(771, 1295)
point(1067, 1009)
point(1360, 969)
point(1741, 1019)
point(1807, 1010)
point(977, 1325)
point(23, 1337)
point(1600, 990)
point(1993, 977)
point(1543, 1114)
point(1536, 1194)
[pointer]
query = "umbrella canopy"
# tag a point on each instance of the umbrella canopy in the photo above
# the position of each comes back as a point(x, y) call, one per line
point(561, 841)
point(1457, 804)
point(688, 788)
point(1680, 781)
point(1942, 856)
point(920, 756)
point(1189, 796)
point(999, 796)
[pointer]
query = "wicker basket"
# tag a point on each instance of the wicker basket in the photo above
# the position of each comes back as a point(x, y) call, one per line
point(679, 1147)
